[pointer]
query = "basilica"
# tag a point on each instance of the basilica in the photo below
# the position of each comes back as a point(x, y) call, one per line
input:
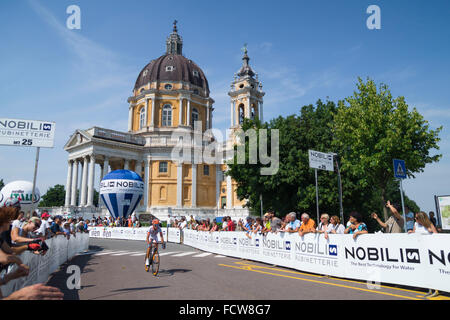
point(170, 104)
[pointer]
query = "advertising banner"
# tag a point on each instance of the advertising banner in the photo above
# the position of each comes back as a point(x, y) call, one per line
point(443, 211)
point(169, 234)
point(27, 133)
point(407, 259)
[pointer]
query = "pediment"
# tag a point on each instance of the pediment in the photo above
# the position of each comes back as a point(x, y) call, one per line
point(79, 137)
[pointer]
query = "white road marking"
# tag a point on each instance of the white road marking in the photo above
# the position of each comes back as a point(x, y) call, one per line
point(124, 253)
point(184, 254)
point(167, 253)
point(202, 255)
point(219, 256)
point(104, 252)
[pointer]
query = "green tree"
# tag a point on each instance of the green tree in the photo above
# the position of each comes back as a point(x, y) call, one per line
point(54, 197)
point(371, 128)
point(292, 188)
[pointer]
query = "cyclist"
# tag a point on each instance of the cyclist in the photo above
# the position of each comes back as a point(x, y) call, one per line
point(152, 236)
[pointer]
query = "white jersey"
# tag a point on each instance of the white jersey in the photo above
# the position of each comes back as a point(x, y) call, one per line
point(154, 232)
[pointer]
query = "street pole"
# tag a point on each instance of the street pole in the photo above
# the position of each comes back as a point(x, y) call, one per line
point(33, 196)
point(403, 204)
point(260, 198)
point(317, 197)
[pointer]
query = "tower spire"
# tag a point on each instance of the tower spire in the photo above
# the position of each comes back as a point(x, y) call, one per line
point(174, 42)
point(245, 70)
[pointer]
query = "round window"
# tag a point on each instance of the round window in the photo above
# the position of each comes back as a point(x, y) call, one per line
point(168, 86)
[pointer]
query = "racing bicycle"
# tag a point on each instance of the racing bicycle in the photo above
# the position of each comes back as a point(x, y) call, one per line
point(154, 261)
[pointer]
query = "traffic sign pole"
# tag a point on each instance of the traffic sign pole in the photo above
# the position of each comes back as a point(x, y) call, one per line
point(33, 196)
point(317, 198)
point(403, 204)
point(400, 173)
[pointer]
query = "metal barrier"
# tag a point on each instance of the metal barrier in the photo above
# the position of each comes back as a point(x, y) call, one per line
point(60, 250)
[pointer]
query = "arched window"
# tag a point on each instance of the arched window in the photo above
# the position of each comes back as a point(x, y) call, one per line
point(241, 113)
point(253, 112)
point(167, 116)
point(142, 118)
point(195, 116)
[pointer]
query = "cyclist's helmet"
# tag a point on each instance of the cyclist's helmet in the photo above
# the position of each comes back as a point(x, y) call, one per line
point(155, 222)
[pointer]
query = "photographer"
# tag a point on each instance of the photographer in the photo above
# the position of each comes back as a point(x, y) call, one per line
point(25, 236)
point(395, 222)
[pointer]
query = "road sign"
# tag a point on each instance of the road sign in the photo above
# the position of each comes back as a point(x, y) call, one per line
point(399, 169)
point(27, 133)
point(320, 160)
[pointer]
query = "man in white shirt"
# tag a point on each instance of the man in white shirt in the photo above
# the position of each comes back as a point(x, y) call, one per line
point(44, 230)
point(183, 223)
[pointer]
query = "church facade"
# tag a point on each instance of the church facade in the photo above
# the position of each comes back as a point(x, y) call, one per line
point(170, 107)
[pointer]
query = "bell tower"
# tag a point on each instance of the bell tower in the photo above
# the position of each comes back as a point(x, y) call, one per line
point(246, 94)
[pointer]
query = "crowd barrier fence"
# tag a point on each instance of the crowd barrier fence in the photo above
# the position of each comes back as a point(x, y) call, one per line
point(413, 260)
point(405, 259)
point(60, 251)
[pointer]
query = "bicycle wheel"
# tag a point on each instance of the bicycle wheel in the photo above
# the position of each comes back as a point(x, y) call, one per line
point(155, 263)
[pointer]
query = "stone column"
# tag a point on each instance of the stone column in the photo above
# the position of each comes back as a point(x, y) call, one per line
point(232, 113)
point(179, 184)
point(73, 199)
point(68, 182)
point(90, 199)
point(261, 111)
point(180, 115)
point(146, 114)
point(83, 188)
point(207, 115)
point(146, 183)
point(152, 121)
point(130, 118)
point(229, 193)
point(138, 167)
point(218, 180)
point(194, 185)
point(189, 115)
point(126, 165)
point(247, 110)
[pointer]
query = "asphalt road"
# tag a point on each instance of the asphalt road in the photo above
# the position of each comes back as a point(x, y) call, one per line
point(114, 270)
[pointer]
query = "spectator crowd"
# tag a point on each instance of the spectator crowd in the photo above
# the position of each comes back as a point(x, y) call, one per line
point(19, 234)
point(419, 222)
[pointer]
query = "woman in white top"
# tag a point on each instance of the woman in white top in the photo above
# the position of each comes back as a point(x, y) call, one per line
point(423, 225)
point(335, 226)
point(324, 225)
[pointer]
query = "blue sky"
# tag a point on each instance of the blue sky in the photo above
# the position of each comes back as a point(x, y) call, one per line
point(302, 50)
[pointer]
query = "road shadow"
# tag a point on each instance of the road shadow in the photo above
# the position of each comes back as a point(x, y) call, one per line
point(138, 289)
point(171, 272)
point(125, 290)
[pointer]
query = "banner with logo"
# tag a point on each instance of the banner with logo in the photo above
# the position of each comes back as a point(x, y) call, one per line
point(27, 133)
point(406, 259)
point(169, 234)
point(443, 211)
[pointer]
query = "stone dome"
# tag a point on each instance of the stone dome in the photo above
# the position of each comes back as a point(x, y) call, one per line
point(172, 68)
